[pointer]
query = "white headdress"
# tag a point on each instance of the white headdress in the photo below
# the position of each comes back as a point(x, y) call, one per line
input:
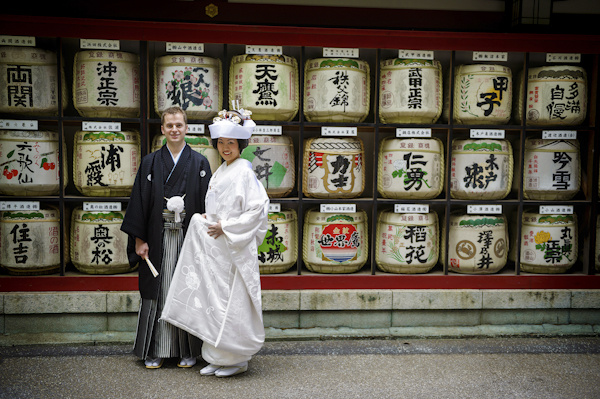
point(229, 124)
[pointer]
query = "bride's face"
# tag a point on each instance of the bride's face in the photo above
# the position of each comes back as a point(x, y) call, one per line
point(229, 149)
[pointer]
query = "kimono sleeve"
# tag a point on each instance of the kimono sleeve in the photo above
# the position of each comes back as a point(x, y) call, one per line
point(251, 224)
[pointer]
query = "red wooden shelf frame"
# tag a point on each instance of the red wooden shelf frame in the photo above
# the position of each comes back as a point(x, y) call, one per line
point(63, 27)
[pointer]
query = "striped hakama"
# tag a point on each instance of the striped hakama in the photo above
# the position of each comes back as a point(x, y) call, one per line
point(157, 338)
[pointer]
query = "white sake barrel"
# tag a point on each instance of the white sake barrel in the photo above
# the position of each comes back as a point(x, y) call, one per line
point(198, 143)
point(105, 163)
point(552, 169)
point(410, 168)
point(549, 243)
point(272, 159)
point(267, 85)
point(31, 241)
point(29, 82)
point(98, 246)
point(106, 84)
point(336, 90)
point(556, 96)
point(29, 162)
point(481, 169)
point(279, 249)
point(410, 91)
point(477, 244)
point(193, 82)
point(406, 242)
point(333, 167)
point(482, 94)
point(335, 242)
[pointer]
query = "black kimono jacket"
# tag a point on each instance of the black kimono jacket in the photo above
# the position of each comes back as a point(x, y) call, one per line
point(143, 218)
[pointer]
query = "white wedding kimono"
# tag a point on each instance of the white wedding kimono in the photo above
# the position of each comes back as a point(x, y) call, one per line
point(215, 293)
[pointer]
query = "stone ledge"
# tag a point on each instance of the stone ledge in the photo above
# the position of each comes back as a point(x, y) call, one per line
point(526, 299)
point(123, 302)
point(1, 303)
point(437, 299)
point(585, 299)
point(345, 300)
point(54, 302)
point(277, 300)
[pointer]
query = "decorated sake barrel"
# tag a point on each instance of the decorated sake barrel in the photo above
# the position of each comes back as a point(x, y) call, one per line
point(410, 168)
point(336, 90)
point(482, 94)
point(481, 169)
point(29, 82)
point(552, 169)
point(267, 85)
point(333, 167)
point(410, 91)
point(198, 143)
point(549, 243)
point(556, 95)
point(279, 250)
point(29, 162)
point(31, 241)
point(98, 246)
point(406, 242)
point(272, 159)
point(105, 163)
point(193, 82)
point(106, 84)
point(477, 244)
point(335, 242)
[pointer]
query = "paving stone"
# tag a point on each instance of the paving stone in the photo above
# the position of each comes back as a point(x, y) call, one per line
point(525, 316)
point(52, 323)
point(408, 318)
point(126, 322)
point(585, 299)
point(287, 319)
point(351, 319)
point(126, 301)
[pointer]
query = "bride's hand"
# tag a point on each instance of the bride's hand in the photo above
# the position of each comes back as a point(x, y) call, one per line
point(215, 230)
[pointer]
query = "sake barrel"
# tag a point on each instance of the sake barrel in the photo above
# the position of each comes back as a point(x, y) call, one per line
point(482, 94)
point(552, 169)
point(406, 242)
point(29, 82)
point(29, 161)
point(556, 95)
point(193, 82)
point(272, 159)
point(481, 169)
point(410, 91)
point(98, 246)
point(267, 85)
point(333, 167)
point(106, 84)
point(477, 244)
point(198, 143)
point(336, 90)
point(410, 168)
point(31, 241)
point(279, 249)
point(549, 243)
point(335, 242)
point(105, 163)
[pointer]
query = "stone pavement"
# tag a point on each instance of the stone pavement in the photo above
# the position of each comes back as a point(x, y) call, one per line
point(402, 368)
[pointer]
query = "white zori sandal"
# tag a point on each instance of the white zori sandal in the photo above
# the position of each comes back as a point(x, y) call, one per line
point(187, 362)
point(210, 369)
point(228, 371)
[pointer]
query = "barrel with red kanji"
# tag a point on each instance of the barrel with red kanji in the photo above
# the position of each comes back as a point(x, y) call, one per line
point(31, 241)
point(335, 242)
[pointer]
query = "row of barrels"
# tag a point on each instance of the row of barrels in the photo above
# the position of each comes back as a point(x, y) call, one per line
point(106, 163)
point(107, 83)
point(332, 242)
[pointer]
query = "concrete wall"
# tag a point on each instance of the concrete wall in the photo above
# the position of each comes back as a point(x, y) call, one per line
point(110, 317)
